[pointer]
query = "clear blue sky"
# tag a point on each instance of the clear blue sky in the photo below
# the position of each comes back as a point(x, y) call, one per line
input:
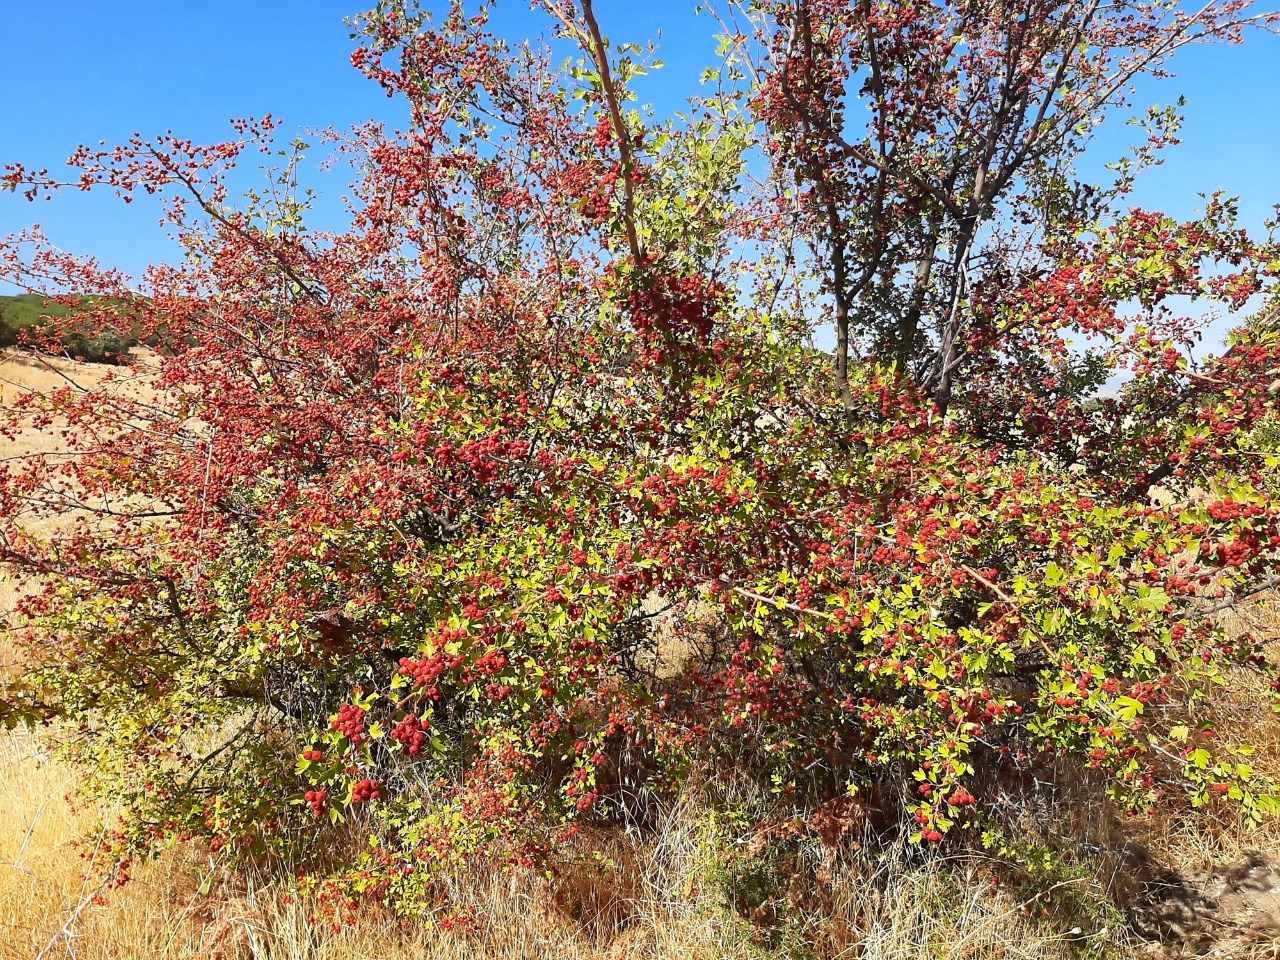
point(75, 71)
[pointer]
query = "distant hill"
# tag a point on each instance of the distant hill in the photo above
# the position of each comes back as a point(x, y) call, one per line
point(22, 312)
point(26, 311)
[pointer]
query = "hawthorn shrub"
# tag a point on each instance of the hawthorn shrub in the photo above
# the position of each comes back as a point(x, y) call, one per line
point(527, 499)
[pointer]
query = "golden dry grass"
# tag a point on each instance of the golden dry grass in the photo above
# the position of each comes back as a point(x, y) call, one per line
point(656, 901)
point(1189, 839)
point(20, 374)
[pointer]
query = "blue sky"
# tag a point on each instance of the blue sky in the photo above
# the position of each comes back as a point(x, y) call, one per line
point(76, 71)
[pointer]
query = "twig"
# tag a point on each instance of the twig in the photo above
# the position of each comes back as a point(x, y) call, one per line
point(67, 934)
point(777, 602)
point(17, 861)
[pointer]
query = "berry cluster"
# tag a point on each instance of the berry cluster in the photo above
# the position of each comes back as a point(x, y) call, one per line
point(315, 800)
point(412, 733)
point(672, 304)
point(1225, 510)
point(350, 722)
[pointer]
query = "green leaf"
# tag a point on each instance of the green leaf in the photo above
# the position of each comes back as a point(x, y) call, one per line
point(1054, 575)
point(1128, 708)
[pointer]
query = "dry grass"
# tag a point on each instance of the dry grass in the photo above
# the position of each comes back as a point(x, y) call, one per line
point(45, 883)
point(655, 901)
point(20, 374)
point(1189, 839)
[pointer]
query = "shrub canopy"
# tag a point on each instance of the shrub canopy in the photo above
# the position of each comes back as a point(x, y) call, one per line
point(527, 497)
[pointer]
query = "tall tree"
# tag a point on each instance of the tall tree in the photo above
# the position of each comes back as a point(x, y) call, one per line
point(932, 146)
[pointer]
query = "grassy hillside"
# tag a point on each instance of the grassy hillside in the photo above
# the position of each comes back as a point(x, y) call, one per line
point(22, 315)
